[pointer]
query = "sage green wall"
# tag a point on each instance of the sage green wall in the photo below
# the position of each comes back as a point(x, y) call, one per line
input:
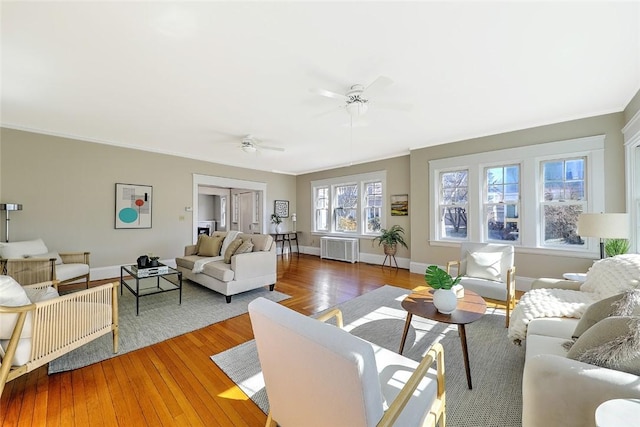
point(632, 108)
point(397, 183)
point(67, 188)
point(527, 264)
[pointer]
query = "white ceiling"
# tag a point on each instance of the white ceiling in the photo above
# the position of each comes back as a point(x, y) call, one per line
point(183, 78)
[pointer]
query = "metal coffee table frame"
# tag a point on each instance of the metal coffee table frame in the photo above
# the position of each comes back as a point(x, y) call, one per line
point(138, 292)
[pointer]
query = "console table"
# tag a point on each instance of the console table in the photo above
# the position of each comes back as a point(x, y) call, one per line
point(287, 237)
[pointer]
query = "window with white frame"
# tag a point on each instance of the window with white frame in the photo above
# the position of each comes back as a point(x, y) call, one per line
point(373, 206)
point(529, 196)
point(321, 201)
point(502, 202)
point(563, 197)
point(453, 194)
point(223, 212)
point(352, 205)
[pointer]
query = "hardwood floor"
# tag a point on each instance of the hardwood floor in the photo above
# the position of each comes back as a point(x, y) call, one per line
point(174, 383)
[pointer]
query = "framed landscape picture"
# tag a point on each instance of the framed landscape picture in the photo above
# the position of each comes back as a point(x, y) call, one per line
point(400, 205)
point(133, 206)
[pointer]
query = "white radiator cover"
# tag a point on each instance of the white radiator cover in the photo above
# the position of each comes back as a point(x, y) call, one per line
point(340, 248)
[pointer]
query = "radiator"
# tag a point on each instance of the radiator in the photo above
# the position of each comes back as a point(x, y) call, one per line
point(340, 248)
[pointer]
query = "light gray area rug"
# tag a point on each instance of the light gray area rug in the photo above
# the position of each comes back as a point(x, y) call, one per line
point(496, 363)
point(161, 318)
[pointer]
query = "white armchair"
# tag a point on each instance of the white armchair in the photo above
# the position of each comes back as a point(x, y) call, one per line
point(31, 262)
point(37, 325)
point(489, 271)
point(320, 375)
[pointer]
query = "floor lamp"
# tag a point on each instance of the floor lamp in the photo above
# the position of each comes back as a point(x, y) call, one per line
point(604, 226)
point(9, 207)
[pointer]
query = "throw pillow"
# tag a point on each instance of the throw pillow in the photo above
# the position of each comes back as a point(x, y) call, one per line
point(47, 255)
point(485, 265)
point(245, 247)
point(613, 342)
point(12, 294)
point(231, 249)
point(15, 250)
point(210, 246)
point(624, 304)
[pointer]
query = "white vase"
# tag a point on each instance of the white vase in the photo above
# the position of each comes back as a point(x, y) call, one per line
point(273, 228)
point(445, 300)
point(279, 227)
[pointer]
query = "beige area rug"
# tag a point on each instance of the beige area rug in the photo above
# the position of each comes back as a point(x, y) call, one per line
point(161, 318)
point(496, 363)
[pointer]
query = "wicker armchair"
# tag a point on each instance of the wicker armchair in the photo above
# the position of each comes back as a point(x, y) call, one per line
point(17, 260)
point(32, 335)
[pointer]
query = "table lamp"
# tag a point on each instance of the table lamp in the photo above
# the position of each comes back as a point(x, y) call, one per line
point(604, 226)
point(294, 219)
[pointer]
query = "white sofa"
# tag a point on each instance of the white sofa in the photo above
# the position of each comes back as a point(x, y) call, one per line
point(245, 271)
point(560, 391)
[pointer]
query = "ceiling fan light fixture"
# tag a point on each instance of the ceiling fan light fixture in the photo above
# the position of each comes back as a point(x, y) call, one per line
point(248, 147)
point(357, 108)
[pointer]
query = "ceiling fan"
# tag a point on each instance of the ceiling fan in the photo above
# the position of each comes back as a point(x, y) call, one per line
point(249, 144)
point(356, 99)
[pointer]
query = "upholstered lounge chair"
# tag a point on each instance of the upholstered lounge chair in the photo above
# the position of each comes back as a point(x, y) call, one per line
point(37, 325)
point(31, 262)
point(489, 271)
point(317, 374)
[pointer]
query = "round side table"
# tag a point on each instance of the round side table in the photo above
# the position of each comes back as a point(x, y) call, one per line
point(618, 413)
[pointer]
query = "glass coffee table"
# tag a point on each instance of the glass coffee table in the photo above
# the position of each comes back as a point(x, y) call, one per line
point(150, 281)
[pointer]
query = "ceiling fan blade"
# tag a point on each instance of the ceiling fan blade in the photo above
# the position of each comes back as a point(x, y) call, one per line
point(328, 94)
point(400, 106)
point(267, 147)
point(379, 83)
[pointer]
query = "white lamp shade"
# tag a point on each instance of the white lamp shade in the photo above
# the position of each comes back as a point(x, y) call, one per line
point(604, 225)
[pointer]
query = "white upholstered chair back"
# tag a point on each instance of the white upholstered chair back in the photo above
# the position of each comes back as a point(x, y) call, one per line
point(506, 260)
point(315, 373)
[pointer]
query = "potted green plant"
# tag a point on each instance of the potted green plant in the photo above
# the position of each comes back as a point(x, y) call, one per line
point(613, 247)
point(390, 238)
point(444, 298)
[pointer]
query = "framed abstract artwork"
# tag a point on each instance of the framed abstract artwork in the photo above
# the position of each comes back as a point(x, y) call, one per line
point(133, 206)
point(281, 208)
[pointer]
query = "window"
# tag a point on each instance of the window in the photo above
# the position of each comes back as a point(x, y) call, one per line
point(454, 191)
point(352, 205)
point(563, 198)
point(502, 202)
point(346, 208)
point(321, 198)
point(528, 196)
point(373, 206)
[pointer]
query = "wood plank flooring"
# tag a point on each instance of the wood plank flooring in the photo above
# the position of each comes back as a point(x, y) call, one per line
point(174, 383)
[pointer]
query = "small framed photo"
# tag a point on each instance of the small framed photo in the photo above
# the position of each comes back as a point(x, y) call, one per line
point(281, 208)
point(400, 205)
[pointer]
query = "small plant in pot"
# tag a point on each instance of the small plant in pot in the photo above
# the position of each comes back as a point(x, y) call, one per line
point(444, 298)
point(390, 238)
point(613, 247)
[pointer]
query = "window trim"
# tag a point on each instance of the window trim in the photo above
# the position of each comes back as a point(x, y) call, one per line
point(530, 158)
point(360, 180)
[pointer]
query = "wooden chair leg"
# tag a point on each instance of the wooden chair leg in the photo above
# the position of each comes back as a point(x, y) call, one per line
point(270, 421)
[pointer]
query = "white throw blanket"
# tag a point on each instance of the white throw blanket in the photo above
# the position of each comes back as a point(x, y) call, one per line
point(607, 277)
point(198, 266)
point(230, 237)
point(547, 303)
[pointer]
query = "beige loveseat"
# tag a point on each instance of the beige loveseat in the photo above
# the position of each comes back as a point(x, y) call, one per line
point(243, 272)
